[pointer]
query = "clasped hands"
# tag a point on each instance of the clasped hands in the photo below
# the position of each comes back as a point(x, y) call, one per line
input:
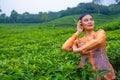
point(80, 50)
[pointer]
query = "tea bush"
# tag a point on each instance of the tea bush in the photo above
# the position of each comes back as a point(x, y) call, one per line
point(30, 52)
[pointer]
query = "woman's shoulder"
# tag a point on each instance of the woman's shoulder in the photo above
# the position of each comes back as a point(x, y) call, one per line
point(100, 34)
point(101, 30)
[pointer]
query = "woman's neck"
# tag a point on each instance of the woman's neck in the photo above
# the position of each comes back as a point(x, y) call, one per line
point(88, 33)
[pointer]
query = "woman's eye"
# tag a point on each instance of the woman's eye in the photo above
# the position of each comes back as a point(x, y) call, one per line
point(86, 20)
point(91, 19)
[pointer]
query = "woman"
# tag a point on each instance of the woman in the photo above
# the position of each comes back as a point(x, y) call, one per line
point(92, 46)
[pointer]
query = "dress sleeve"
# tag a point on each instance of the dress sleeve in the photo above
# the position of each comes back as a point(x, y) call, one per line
point(67, 46)
point(100, 40)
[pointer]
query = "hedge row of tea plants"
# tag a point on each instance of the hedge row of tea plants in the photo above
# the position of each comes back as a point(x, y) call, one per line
point(34, 53)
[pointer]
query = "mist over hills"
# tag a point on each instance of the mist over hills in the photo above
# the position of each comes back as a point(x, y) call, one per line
point(106, 2)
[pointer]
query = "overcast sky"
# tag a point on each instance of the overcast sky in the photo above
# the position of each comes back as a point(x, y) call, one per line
point(35, 6)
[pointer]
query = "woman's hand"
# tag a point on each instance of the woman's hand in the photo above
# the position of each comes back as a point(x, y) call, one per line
point(76, 49)
point(79, 50)
point(79, 27)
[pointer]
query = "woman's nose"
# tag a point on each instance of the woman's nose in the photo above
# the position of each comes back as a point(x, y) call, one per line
point(89, 21)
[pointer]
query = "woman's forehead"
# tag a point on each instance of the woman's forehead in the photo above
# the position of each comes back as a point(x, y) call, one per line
point(87, 16)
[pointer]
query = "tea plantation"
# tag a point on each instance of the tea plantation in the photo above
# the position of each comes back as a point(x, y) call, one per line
point(33, 51)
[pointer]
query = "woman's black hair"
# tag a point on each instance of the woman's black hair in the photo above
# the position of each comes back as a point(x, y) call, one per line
point(80, 18)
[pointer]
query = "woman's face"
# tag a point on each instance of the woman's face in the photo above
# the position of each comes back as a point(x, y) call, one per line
point(87, 22)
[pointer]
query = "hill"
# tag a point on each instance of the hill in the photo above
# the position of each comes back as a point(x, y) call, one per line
point(70, 21)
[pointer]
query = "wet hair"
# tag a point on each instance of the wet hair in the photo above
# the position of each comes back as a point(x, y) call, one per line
point(80, 18)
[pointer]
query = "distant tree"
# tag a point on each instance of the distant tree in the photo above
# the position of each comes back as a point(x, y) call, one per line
point(14, 16)
point(40, 17)
point(115, 8)
point(86, 8)
point(100, 1)
point(30, 18)
point(53, 15)
point(117, 1)
point(45, 17)
point(97, 1)
point(0, 10)
point(2, 17)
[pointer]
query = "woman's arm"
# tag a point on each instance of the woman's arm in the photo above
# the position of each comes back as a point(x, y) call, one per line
point(67, 46)
point(100, 40)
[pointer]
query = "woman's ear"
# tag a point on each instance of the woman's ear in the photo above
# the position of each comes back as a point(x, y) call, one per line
point(80, 22)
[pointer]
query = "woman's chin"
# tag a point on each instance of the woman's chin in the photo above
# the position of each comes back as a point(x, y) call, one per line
point(89, 28)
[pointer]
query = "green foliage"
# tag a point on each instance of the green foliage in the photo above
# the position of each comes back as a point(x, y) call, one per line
point(88, 73)
point(103, 72)
point(33, 51)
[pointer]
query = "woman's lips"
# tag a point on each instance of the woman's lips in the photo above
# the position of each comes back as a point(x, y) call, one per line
point(90, 25)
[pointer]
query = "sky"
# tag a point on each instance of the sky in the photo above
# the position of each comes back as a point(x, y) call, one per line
point(36, 6)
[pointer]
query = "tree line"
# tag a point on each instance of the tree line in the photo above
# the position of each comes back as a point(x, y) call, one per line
point(81, 8)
